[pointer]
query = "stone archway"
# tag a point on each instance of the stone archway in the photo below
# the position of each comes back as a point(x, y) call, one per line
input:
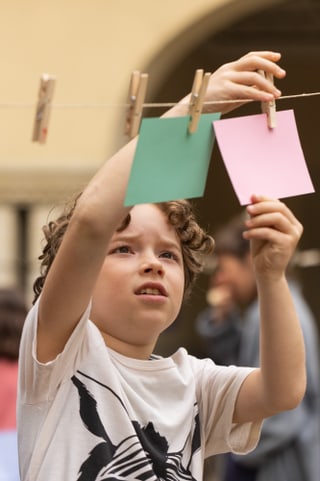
point(195, 34)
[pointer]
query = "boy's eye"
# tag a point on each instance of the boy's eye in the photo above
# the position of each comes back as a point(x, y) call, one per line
point(168, 255)
point(122, 250)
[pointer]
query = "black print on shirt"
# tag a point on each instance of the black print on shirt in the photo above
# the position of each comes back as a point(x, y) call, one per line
point(144, 456)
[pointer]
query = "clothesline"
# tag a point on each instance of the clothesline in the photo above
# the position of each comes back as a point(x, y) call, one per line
point(7, 105)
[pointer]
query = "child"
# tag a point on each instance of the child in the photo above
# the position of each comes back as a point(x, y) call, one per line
point(94, 403)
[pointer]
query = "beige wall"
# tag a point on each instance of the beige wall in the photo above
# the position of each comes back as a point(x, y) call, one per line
point(91, 47)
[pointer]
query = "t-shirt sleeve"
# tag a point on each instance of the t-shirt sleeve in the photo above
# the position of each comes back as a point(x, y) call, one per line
point(217, 391)
point(38, 381)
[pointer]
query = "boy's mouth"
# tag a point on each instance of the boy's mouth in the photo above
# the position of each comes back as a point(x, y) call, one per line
point(152, 290)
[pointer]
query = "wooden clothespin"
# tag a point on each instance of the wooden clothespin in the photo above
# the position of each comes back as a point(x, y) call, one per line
point(137, 94)
point(199, 88)
point(269, 108)
point(40, 129)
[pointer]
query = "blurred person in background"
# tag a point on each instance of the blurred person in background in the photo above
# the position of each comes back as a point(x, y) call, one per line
point(289, 447)
point(13, 311)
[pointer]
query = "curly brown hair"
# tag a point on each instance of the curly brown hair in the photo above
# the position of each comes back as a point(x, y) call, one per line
point(195, 242)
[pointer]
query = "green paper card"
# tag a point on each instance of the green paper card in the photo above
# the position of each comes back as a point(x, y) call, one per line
point(170, 163)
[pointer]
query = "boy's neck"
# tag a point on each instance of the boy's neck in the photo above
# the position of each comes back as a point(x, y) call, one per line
point(142, 352)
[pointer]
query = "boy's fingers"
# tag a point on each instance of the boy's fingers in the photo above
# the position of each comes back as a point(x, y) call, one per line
point(261, 60)
point(254, 84)
point(267, 54)
point(273, 213)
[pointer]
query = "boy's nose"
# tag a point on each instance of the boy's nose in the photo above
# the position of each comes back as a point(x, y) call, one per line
point(152, 265)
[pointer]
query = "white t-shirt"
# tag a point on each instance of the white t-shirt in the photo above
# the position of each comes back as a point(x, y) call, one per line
point(93, 414)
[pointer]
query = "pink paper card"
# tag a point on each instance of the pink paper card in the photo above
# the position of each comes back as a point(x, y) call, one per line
point(263, 161)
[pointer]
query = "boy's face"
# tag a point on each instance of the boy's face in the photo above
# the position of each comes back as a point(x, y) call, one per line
point(141, 284)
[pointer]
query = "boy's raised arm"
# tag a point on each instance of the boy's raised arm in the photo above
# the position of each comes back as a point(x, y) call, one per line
point(279, 384)
point(71, 279)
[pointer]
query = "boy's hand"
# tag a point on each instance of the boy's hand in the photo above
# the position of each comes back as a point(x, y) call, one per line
point(240, 80)
point(274, 233)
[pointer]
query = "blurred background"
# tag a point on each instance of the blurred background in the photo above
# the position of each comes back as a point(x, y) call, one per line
point(92, 48)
